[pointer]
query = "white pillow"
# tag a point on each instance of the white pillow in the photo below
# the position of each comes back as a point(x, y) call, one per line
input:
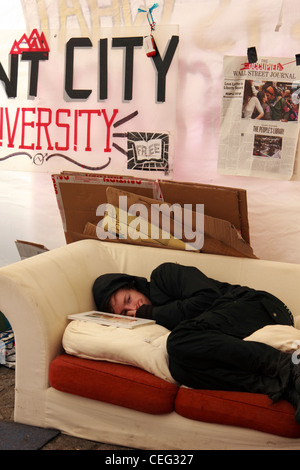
point(143, 347)
point(283, 337)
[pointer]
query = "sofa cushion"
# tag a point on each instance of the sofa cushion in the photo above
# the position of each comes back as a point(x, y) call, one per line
point(249, 410)
point(114, 383)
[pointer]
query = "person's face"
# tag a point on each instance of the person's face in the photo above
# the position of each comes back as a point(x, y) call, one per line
point(270, 96)
point(127, 301)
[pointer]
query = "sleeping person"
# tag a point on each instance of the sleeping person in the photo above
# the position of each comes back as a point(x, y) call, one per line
point(210, 323)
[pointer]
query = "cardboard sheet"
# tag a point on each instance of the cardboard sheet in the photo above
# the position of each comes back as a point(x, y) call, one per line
point(27, 249)
point(79, 195)
point(220, 236)
point(224, 203)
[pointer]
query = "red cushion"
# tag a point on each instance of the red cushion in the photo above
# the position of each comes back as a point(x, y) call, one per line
point(248, 410)
point(112, 383)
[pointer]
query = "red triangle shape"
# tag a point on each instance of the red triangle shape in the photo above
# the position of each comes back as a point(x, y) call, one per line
point(34, 34)
point(34, 45)
point(15, 48)
point(44, 44)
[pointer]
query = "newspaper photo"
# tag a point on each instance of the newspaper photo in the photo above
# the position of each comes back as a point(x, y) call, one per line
point(259, 117)
point(111, 319)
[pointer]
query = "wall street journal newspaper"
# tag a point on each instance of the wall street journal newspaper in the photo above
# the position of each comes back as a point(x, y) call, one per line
point(259, 117)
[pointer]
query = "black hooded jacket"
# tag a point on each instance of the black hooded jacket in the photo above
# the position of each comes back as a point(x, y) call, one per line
point(179, 293)
point(107, 284)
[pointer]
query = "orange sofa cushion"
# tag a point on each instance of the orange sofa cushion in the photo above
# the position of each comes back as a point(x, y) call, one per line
point(109, 382)
point(248, 410)
point(137, 389)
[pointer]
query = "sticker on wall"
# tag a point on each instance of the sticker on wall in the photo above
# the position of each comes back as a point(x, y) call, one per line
point(148, 151)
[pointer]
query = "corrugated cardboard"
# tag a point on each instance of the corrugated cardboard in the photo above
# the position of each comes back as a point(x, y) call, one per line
point(223, 203)
point(79, 195)
point(220, 236)
point(27, 249)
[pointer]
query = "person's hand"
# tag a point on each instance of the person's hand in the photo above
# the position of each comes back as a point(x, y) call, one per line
point(131, 313)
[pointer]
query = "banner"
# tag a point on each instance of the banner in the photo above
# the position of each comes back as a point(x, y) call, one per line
point(91, 105)
point(259, 117)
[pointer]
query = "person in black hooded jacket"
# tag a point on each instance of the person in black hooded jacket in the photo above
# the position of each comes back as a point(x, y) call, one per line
point(208, 320)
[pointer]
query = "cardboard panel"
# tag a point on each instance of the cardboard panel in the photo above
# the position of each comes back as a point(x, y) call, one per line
point(79, 195)
point(220, 236)
point(223, 203)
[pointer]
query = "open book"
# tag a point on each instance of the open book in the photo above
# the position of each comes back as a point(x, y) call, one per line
point(111, 319)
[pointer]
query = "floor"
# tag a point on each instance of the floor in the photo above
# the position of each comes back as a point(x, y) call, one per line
point(61, 442)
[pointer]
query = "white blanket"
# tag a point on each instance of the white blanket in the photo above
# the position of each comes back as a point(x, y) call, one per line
point(145, 346)
point(282, 337)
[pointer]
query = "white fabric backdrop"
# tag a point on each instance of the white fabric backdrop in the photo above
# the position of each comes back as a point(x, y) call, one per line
point(208, 30)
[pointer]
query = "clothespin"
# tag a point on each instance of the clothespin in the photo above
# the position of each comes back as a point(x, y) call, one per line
point(297, 59)
point(252, 55)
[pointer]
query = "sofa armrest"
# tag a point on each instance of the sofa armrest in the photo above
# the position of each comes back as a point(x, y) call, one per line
point(37, 295)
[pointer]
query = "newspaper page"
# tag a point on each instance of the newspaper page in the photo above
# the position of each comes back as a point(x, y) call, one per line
point(111, 319)
point(259, 117)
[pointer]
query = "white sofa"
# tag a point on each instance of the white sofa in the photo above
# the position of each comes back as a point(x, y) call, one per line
point(38, 293)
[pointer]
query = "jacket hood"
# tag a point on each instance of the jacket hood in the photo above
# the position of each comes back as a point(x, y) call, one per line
point(105, 285)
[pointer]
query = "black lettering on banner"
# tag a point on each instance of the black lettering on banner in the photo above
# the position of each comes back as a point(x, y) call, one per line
point(35, 58)
point(10, 84)
point(129, 43)
point(71, 45)
point(162, 67)
point(103, 69)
